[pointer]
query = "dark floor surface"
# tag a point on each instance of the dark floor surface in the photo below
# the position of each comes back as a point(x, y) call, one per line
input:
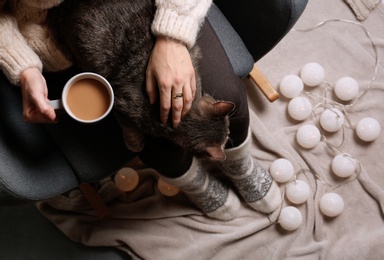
point(26, 234)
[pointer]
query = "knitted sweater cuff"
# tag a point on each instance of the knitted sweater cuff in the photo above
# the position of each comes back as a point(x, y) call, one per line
point(16, 60)
point(183, 28)
point(180, 20)
point(16, 56)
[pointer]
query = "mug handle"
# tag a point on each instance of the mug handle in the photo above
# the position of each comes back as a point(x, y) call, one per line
point(56, 104)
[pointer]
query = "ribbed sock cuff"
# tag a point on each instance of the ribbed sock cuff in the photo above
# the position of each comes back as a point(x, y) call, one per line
point(241, 151)
point(191, 176)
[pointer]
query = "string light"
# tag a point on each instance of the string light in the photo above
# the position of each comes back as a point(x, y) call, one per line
point(312, 74)
point(331, 120)
point(331, 204)
point(290, 218)
point(126, 179)
point(167, 189)
point(346, 88)
point(343, 165)
point(368, 129)
point(308, 136)
point(281, 170)
point(333, 117)
point(299, 108)
point(291, 86)
point(298, 192)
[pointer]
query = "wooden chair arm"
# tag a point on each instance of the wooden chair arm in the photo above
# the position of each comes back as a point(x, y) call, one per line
point(261, 81)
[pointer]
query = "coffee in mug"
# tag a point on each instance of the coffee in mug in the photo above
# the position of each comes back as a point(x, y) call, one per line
point(86, 97)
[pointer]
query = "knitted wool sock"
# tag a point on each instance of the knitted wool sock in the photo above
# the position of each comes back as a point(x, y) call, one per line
point(208, 193)
point(252, 181)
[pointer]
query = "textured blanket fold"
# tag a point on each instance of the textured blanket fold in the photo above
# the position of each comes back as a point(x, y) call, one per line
point(148, 225)
point(362, 8)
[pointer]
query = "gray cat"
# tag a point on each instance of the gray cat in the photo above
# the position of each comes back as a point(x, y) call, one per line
point(113, 38)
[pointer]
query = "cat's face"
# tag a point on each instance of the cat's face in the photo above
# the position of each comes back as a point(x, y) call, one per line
point(205, 128)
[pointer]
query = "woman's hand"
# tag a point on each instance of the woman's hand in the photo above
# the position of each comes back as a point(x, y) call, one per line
point(170, 74)
point(35, 97)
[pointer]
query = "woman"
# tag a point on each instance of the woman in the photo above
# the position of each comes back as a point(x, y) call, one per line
point(169, 72)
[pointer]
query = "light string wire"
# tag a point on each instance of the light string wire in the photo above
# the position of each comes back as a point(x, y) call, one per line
point(329, 102)
point(374, 46)
point(326, 102)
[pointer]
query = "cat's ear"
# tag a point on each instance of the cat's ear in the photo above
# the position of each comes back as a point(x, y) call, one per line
point(216, 153)
point(222, 108)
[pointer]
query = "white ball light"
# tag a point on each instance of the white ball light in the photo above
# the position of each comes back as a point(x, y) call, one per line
point(291, 86)
point(331, 204)
point(368, 129)
point(346, 88)
point(281, 170)
point(308, 136)
point(298, 192)
point(312, 74)
point(167, 189)
point(331, 119)
point(290, 218)
point(343, 165)
point(299, 108)
point(126, 179)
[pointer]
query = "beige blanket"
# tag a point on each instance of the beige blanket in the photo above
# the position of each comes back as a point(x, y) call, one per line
point(149, 225)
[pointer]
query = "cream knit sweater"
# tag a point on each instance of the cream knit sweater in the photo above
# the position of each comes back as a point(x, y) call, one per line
point(26, 42)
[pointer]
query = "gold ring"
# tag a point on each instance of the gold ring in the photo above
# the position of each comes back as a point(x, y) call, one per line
point(177, 95)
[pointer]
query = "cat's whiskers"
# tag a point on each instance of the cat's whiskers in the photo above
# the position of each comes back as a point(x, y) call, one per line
point(229, 140)
point(213, 94)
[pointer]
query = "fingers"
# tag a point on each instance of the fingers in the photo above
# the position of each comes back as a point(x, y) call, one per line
point(165, 102)
point(189, 95)
point(187, 99)
point(182, 98)
point(170, 71)
point(34, 97)
point(47, 111)
point(177, 106)
point(32, 115)
point(177, 100)
point(151, 87)
point(38, 111)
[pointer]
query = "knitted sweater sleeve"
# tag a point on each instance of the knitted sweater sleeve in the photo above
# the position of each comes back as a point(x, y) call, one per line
point(15, 53)
point(180, 19)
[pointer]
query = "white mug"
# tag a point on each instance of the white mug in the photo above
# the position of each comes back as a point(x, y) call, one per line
point(87, 97)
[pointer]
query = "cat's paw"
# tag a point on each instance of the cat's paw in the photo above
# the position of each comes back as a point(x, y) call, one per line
point(134, 141)
point(135, 146)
